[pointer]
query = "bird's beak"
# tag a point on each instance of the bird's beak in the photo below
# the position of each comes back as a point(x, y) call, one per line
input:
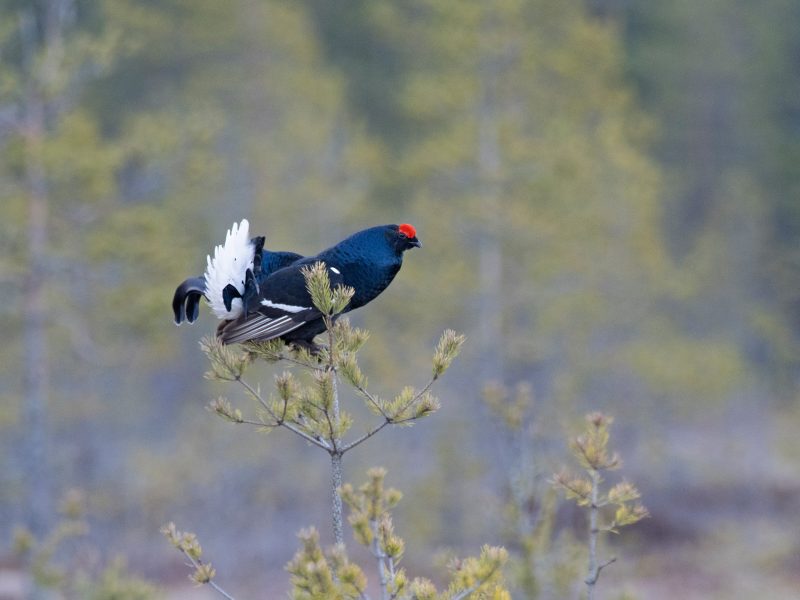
point(414, 242)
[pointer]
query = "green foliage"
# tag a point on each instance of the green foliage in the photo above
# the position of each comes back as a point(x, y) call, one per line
point(311, 409)
point(368, 508)
point(730, 198)
point(447, 349)
point(50, 569)
point(373, 527)
point(315, 576)
point(590, 449)
point(228, 363)
point(188, 544)
point(115, 583)
point(547, 562)
point(329, 302)
point(319, 575)
point(480, 576)
point(309, 406)
point(508, 132)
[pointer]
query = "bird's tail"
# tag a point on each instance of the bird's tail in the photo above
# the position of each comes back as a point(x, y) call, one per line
point(226, 273)
point(188, 294)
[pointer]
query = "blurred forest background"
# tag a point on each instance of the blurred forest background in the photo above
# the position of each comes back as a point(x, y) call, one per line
point(608, 197)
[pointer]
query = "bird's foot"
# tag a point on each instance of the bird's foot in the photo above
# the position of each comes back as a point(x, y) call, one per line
point(310, 347)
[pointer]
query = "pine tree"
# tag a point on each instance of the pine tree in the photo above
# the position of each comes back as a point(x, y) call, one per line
point(314, 409)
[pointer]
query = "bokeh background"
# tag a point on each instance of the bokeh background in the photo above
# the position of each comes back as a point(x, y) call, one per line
point(608, 195)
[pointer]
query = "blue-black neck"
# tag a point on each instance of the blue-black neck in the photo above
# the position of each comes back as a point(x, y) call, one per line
point(368, 263)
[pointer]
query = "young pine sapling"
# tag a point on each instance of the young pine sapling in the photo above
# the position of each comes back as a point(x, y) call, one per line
point(309, 406)
point(591, 450)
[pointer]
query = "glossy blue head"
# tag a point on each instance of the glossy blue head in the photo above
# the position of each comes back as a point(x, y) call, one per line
point(381, 241)
point(404, 237)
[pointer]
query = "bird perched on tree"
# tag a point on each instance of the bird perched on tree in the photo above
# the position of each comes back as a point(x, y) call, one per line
point(263, 303)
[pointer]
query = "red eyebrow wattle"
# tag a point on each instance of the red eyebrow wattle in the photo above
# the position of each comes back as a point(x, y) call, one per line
point(408, 230)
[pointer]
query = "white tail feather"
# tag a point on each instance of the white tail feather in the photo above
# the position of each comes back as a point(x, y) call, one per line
point(229, 266)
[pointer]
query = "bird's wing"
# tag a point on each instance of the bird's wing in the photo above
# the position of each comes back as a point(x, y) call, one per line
point(258, 326)
point(188, 293)
point(282, 305)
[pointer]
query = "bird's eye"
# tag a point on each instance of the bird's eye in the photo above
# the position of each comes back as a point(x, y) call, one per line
point(402, 235)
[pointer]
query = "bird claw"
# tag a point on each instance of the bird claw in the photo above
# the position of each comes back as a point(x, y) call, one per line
point(313, 349)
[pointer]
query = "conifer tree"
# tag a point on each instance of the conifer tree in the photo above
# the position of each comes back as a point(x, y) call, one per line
point(311, 407)
point(49, 60)
point(149, 134)
point(524, 155)
point(591, 450)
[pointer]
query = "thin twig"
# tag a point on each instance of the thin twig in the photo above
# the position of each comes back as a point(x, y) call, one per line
point(415, 398)
point(388, 420)
point(299, 363)
point(379, 557)
point(199, 563)
point(372, 399)
point(392, 575)
point(258, 423)
point(366, 436)
point(285, 408)
point(594, 532)
point(278, 422)
point(602, 566)
point(463, 594)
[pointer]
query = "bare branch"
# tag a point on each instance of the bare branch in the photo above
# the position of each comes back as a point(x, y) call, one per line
point(600, 567)
point(366, 436)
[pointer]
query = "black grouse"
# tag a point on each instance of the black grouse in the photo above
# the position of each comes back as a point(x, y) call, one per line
point(367, 261)
point(262, 295)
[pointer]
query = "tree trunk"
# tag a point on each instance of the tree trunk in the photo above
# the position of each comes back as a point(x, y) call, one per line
point(35, 368)
point(490, 253)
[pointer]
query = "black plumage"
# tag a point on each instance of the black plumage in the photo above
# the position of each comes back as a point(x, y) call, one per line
point(367, 261)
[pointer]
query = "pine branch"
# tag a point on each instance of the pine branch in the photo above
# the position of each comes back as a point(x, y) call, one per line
point(366, 436)
point(199, 566)
point(189, 546)
point(387, 419)
point(315, 412)
point(375, 430)
point(372, 400)
point(320, 443)
point(475, 587)
point(591, 450)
